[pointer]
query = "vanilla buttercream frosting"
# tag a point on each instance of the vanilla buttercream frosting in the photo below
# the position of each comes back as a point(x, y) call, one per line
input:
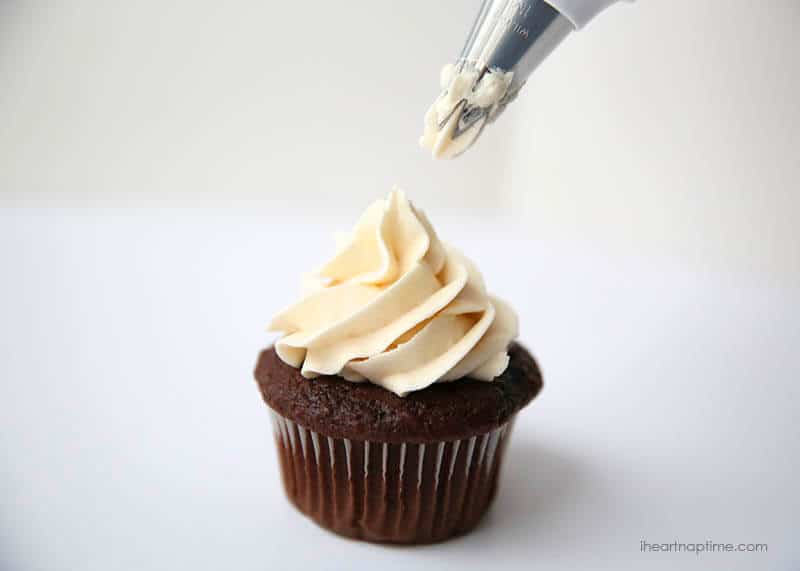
point(397, 307)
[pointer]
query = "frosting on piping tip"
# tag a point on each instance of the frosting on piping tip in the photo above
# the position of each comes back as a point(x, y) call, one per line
point(443, 116)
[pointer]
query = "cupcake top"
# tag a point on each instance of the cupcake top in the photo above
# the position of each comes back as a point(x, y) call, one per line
point(364, 411)
point(396, 307)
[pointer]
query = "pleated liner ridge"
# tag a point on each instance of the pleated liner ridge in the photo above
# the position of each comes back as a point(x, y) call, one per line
point(393, 493)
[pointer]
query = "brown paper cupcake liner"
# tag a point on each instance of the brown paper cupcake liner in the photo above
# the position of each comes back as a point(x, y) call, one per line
point(387, 492)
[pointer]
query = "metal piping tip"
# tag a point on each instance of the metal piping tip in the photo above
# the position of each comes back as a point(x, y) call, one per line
point(508, 40)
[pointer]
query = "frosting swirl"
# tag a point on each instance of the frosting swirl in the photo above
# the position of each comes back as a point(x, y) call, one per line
point(397, 307)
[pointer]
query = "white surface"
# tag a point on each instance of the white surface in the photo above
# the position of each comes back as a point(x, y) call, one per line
point(134, 438)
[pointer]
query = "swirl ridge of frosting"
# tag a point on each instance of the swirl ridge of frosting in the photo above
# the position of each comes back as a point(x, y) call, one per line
point(397, 307)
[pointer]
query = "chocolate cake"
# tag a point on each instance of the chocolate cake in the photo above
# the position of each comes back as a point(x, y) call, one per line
point(368, 464)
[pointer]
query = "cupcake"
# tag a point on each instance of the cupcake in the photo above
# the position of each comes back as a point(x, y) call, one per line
point(395, 384)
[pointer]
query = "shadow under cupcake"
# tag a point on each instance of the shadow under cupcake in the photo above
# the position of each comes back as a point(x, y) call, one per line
point(394, 389)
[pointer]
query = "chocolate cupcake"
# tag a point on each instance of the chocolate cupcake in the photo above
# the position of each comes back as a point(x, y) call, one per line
point(395, 385)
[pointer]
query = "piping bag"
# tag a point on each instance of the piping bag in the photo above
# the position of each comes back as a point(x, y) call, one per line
point(508, 41)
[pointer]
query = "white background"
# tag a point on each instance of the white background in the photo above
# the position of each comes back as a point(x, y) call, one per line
point(168, 172)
